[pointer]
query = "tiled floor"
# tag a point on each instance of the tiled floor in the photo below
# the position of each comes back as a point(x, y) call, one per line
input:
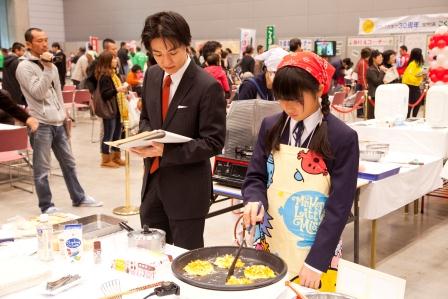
point(412, 247)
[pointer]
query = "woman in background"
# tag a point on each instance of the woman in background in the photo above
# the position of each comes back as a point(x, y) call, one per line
point(413, 77)
point(375, 76)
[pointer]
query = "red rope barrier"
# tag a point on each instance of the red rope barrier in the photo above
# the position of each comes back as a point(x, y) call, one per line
point(356, 106)
point(419, 100)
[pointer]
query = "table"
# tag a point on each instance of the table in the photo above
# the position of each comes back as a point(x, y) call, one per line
point(412, 137)
point(115, 246)
point(382, 197)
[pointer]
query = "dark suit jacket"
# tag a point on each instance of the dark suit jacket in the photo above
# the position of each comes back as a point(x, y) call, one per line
point(343, 170)
point(197, 110)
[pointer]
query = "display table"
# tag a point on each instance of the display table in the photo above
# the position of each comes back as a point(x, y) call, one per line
point(93, 276)
point(412, 137)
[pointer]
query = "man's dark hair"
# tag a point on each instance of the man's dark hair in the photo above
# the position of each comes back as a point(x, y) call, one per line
point(29, 34)
point(210, 47)
point(122, 44)
point(249, 50)
point(259, 47)
point(212, 59)
point(82, 50)
point(228, 50)
point(365, 53)
point(138, 49)
point(17, 46)
point(90, 47)
point(106, 41)
point(403, 47)
point(166, 25)
point(294, 44)
point(56, 45)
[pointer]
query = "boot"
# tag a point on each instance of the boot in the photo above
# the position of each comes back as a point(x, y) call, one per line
point(107, 161)
point(116, 158)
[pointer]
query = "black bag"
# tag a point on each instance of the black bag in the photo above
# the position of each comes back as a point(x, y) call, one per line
point(101, 108)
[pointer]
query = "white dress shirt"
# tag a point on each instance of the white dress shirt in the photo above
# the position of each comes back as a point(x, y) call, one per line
point(176, 77)
point(310, 123)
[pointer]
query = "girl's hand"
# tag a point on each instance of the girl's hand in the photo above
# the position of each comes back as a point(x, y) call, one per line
point(309, 278)
point(251, 215)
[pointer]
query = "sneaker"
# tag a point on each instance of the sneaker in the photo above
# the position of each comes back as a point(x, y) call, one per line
point(51, 210)
point(89, 201)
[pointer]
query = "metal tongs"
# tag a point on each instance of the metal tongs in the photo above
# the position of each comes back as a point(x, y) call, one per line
point(242, 243)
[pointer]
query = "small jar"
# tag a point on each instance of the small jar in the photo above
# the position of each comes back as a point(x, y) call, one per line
point(97, 252)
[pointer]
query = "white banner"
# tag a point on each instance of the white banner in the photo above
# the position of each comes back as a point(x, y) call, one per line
point(247, 39)
point(404, 24)
point(370, 41)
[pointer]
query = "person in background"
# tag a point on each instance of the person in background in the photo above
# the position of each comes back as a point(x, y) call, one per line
point(229, 59)
point(339, 75)
point(361, 74)
point(111, 90)
point(79, 74)
point(39, 80)
point(295, 45)
point(389, 60)
point(402, 60)
point(375, 77)
point(135, 79)
point(60, 63)
point(10, 82)
point(260, 86)
point(180, 97)
point(217, 72)
point(194, 55)
point(260, 49)
point(13, 110)
point(3, 55)
point(110, 46)
point(123, 56)
point(210, 47)
point(139, 58)
point(413, 77)
point(248, 62)
point(301, 180)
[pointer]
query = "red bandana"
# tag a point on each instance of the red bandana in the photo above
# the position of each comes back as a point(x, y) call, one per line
point(318, 67)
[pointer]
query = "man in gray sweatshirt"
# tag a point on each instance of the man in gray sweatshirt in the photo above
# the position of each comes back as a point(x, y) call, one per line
point(39, 81)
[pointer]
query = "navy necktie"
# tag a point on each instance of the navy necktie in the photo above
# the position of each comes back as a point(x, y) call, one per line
point(297, 132)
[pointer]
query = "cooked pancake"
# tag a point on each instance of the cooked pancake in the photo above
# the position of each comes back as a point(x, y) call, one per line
point(199, 268)
point(259, 272)
point(225, 262)
point(238, 281)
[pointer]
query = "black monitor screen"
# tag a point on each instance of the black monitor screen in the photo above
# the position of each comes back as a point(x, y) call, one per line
point(325, 48)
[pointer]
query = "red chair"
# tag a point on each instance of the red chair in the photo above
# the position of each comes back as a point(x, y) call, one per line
point(68, 96)
point(69, 88)
point(81, 99)
point(338, 98)
point(14, 154)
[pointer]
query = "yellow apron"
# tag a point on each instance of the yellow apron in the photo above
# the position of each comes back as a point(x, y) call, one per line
point(298, 187)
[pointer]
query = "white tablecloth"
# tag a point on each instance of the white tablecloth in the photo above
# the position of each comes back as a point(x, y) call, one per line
point(412, 137)
point(115, 246)
point(381, 197)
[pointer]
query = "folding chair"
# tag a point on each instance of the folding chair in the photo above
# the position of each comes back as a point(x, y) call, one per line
point(69, 88)
point(14, 153)
point(68, 96)
point(81, 99)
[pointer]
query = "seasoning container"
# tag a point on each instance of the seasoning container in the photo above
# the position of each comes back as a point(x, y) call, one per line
point(149, 238)
point(97, 252)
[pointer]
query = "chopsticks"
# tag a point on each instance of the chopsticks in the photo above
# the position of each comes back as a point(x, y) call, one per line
point(298, 294)
point(125, 226)
point(232, 267)
point(131, 291)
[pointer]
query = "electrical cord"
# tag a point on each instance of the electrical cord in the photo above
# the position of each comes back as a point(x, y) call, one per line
point(151, 294)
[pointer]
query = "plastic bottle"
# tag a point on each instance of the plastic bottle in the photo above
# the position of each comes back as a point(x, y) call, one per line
point(44, 236)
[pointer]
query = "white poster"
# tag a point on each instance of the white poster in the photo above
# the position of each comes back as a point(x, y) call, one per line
point(247, 38)
point(370, 42)
point(307, 45)
point(404, 24)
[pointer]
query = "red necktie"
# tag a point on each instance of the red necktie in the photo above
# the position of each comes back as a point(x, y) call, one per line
point(165, 104)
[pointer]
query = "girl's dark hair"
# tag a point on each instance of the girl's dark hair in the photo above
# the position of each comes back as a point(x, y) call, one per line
point(416, 55)
point(289, 85)
point(375, 54)
point(166, 25)
point(212, 59)
point(386, 56)
point(135, 68)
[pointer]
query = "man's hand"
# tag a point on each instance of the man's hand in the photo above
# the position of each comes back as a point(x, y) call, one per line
point(32, 123)
point(155, 150)
point(309, 278)
point(45, 58)
point(251, 215)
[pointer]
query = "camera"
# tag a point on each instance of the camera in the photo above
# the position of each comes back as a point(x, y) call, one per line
point(54, 59)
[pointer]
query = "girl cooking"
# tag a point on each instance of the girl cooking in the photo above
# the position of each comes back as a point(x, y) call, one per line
point(303, 171)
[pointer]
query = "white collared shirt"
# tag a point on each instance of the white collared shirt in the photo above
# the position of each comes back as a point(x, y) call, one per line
point(176, 77)
point(309, 123)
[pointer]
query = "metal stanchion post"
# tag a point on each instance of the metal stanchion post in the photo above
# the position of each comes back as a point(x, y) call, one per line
point(366, 104)
point(127, 209)
point(424, 106)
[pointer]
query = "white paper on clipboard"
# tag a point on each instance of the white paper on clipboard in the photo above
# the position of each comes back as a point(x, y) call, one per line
point(147, 138)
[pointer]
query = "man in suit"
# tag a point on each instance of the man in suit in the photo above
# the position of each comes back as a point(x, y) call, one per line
point(179, 97)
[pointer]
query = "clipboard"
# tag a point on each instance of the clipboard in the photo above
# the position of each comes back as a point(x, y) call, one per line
point(147, 138)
